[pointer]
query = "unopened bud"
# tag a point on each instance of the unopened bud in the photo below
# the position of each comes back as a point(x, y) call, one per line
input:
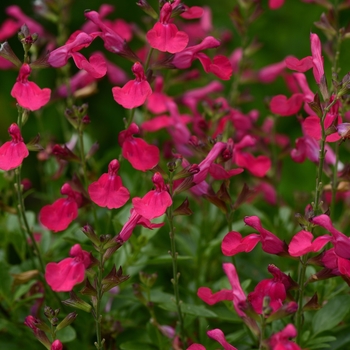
point(67, 321)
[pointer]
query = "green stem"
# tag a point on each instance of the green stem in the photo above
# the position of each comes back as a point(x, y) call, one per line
point(334, 180)
point(131, 118)
point(82, 157)
point(262, 333)
point(98, 316)
point(176, 275)
point(148, 58)
point(322, 157)
point(301, 282)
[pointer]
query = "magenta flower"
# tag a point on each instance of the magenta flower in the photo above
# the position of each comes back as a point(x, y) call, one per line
point(108, 190)
point(63, 276)
point(138, 152)
point(218, 335)
point(275, 4)
point(157, 102)
point(56, 345)
point(340, 242)
point(135, 92)
point(302, 243)
point(165, 36)
point(27, 93)
point(317, 58)
point(32, 323)
point(270, 243)
point(275, 288)
point(77, 41)
point(155, 202)
point(269, 73)
point(284, 107)
point(61, 213)
point(258, 166)
point(135, 219)
point(13, 152)
point(233, 243)
point(280, 340)
point(301, 66)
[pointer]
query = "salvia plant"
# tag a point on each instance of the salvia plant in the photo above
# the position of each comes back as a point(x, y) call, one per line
point(171, 181)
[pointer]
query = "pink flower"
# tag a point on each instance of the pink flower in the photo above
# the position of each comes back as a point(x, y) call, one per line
point(340, 241)
point(270, 243)
point(258, 166)
point(274, 288)
point(63, 276)
point(157, 101)
point(96, 66)
point(61, 213)
point(218, 335)
point(165, 36)
point(135, 92)
point(32, 323)
point(301, 66)
point(13, 152)
point(220, 65)
point(280, 340)
point(113, 42)
point(317, 58)
point(312, 127)
point(77, 41)
point(108, 190)
point(155, 202)
point(138, 152)
point(135, 219)
point(27, 93)
point(302, 244)
point(275, 4)
point(233, 243)
point(210, 298)
point(285, 107)
point(56, 345)
point(269, 73)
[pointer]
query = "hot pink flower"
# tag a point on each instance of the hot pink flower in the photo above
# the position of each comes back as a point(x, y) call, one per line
point(211, 298)
point(77, 41)
point(27, 93)
point(233, 243)
point(218, 335)
point(135, 92)
point(196, 346)
point(301, 243)
point(275, 4)
point(135, 219)
point(317, 58)
point(258, 166)
point(61, 213)
point(280, 340)
point(269, 73)
point(32, 323)
point(284, 107)
point(155, 202)
point(138, 152)
point(113, 42)
point(165, 36)
point(301, 66)
point(96, 65)
point(13, 152)
point(220, 65)
point(270, 243)
point(63, 276)
point(56, 345)
point(312, 127)
point(157, 102)
point(108, 190)
point(340, 241)
point(274, 288)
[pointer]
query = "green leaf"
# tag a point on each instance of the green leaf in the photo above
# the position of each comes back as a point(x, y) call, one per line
point(133, 345)
point(318, 346)
point(331, 314)
point(6, 282)
point(194, 310)
point(326, 339)
point(8, 327)
point(167, 259)
point(67, 334)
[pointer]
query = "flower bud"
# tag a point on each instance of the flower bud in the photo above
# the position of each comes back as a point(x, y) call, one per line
point(76, 302)
point(67, 321)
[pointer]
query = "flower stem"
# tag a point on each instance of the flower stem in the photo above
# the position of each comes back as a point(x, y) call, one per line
point(98, 316)
point(301, 282)
point(176, 275)
point(322, 157)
